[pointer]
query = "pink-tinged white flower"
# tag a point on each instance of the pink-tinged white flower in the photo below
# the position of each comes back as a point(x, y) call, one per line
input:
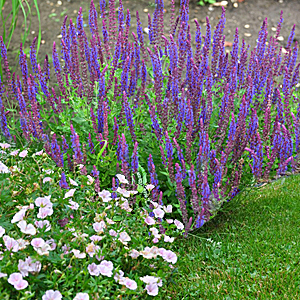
point(69, 193)
point(168, 208)
point(37, 242)
point(43, 224)
point(47, 179)
point(23, 267)
point(22, 243)
point(90, 180)
point(48, 171)
point(150, 187)
point(93, 269)
point(105, 195)
point(124, 237)
point(178, 224)
point(15, 152)
point(151, 279)
point(152, 289)
point(82, 296)
point(21, 285)
point(52, 244)
point(4, 168)
point(52, 295)
point(91, 249)
point(43, 201)
point(73, 205)
point(1, 256)
point(168, 239)
point(105, 268)
point(29, 266)
point(155, 232)
point(169, 256)
point(149, 221)
point(73, 182)
point(123, 192)
point(23, 153)
point(99, 226)
point(14, 278)
point(19, 216)
point(133, 192)
point(26, 228)
point(119, 277)
point(155, 204)
point(10, 244)
point(130, 284)
point(2, 231)
point(44, 212)
point(39, 153)
point(96, 238)
point(112, 233)
point(147, 253)
point(125, 206)
point(122, 178)
point(3, 275)
point(77, 254)
point(110, 221)
point(159, 213)
point(134, 253)
point(155, 240)
point(169, 221)
point(161, 251)
point(44, 250)
point(5, 145)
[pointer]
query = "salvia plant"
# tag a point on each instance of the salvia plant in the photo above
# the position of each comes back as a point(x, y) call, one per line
point(199, 122)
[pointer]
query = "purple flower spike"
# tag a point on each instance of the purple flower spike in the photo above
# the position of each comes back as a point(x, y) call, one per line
point(63, 182)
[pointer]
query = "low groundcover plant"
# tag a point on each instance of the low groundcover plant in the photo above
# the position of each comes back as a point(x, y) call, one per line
point(70, 240)
point(198, 124)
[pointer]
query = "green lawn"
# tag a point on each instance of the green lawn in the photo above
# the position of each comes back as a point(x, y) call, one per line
point(251, 250)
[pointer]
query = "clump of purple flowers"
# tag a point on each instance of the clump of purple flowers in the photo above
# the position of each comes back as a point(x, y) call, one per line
point(204, 124)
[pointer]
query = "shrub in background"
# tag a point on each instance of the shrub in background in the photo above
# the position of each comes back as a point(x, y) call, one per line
point(203, 122)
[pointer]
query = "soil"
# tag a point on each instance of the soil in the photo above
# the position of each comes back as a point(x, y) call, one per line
point(247, 17)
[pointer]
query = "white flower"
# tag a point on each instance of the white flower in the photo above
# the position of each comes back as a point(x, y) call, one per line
point(122, 178)
point(90, 180)
point(10, 244)
point(15, 152)
point(43, 201)
point(5, 145)
point(123, 192)
point(3, 275)
point(99, 226)
point(168, 239)
point(130, 284)
point(77, 254)
point(149, 221)
point(124, 238)
point(19, 216)
point(150, 187)
point(152, 289)
point(82, 296)
point(73, 205)
point(37, 242)
point(93, 269)
point(52, 295)
point(119, 277)
point(42, 224)
point(39, 153)
point(151, 279)
point(44, 212)
point(134, 253)
point(178, 224)
point(22, 244)
point(105, 195)
point(169, 256)
point(73, 182)
point(70, 193)
point(3, 168)
point(105, 268)
point(23, 153)
point(159, 213)
point(14, 278)
point(26, 228)
point(47, 179)
point(168, 208)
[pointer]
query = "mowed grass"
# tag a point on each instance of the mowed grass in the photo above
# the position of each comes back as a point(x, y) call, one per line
point(251, 250)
